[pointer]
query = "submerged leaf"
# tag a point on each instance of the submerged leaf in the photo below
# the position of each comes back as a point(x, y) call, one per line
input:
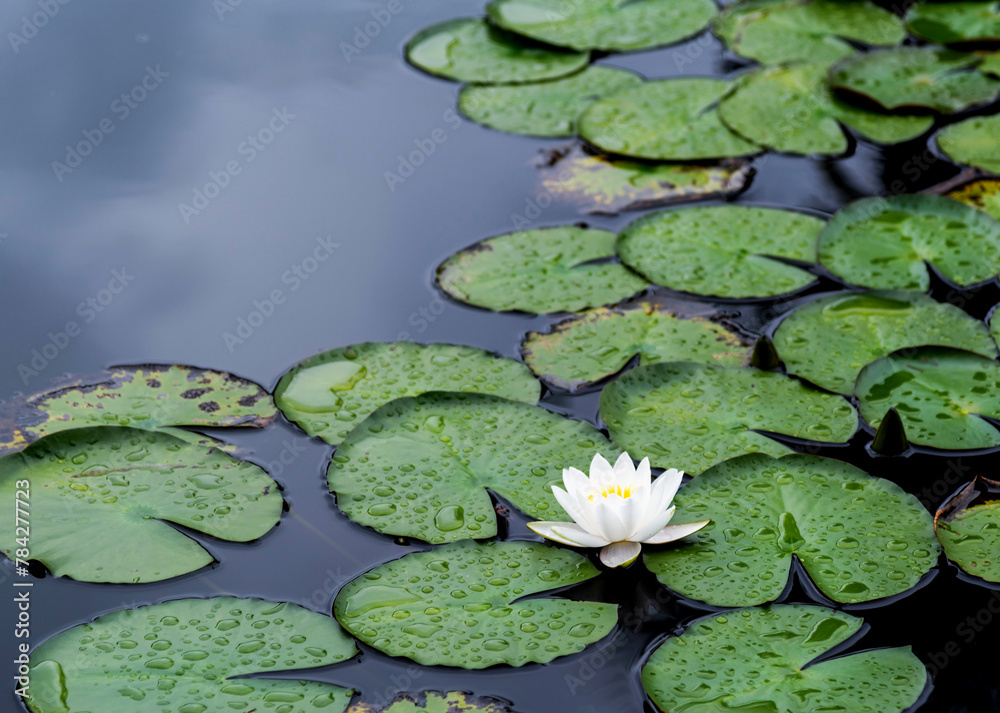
point(692, 416)
point(330, 393)
point(858, 538)
point(472, 50)
point(191, 655)
point(584, 350)
point(968, 526)
point(464, 605)
point(562, 269)
point(101, 498)
point(973, 142)
point(828, 341)
point(420, 467)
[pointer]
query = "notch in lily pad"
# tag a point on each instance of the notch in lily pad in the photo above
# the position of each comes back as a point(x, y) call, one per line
point(968, 526)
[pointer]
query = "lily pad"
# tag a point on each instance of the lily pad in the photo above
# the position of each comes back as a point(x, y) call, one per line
point(723, 250)
point(191, 655)
point(941, 395)
point(889, 242)
point(782, 31)
point(601, 184)
point(968, 527)
point(949, 23)
point(692, 416)
point(792, 109)
point(973, 142)
point(420, 467)
point(830, 340)
point(777, 660)
point(330, 393)
point(923, 77)
point(544, 108)
point(562, 269)
point(464, 605)
point(858, 538)
point(101, 498)
point(983, 194)
point(433, 702)
point(990, 63)
point(584, 350)
point(471, 49)
point(669, 119)
point(142, 396)
point(609, 25)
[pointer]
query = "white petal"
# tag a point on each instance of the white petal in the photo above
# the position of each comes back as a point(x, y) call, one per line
point(665, 488)
point(624, 469)
point(675, 532)
point(580, 512)
point(566, 533)
point(601, 472)
point(642, 473)
point(576, 481)
point(653, 525)
point(609, 522)
point(620, 554)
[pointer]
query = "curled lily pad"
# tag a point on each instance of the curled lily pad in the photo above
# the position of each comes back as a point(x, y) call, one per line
point(330, 393)
point(777, 660)
point(564, 269)
point(191, 655)
point(792, 109)
point(669, 119)
point(420, 467)
point(463, 605)
point(610, 25)
point(542, 108)
point(472, 50)
point(142, 396)
point(692, 416)
point(584, 350)
point(888, 242)
point(949, 23)
point(983, 194)
point(101, 498)
point(830, 340)
point(922, 77)
point(726, 251)
point(941, 396)
point(601, 184)
point(974, 142)
point(781, 31)
point(433, 702)
point(968, 527)
point(858, 538)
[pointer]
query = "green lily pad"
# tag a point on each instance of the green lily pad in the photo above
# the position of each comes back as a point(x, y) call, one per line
point(973, 142)
point(562, 269)
point(767, 658)
point(692, 416)
point(888, 242)
point(782, 31)
point(601, 184)
point(949, 23)
point(982, 194)
point(609, 25)
point(990, 63)
point(420, 467)
point(584, 350)
point(190, 655)
point(923, 77)
point(792, 109)
point(470, 49)
point(667, 120)
point(830, 340)
point(464, 605)
point(544, 108)
point(968, 527)
point(722, 250)
point(858, 538)
point(330, 393)
point(101, 498)
point(433, 702)
point(941, 396)
point(143, 396)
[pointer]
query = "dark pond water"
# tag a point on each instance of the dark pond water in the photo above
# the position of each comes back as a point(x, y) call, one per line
point(214, 78)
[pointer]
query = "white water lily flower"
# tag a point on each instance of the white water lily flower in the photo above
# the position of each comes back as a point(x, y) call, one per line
point(617, 509)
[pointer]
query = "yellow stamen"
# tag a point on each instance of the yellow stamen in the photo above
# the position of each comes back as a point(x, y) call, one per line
point(624, 492)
